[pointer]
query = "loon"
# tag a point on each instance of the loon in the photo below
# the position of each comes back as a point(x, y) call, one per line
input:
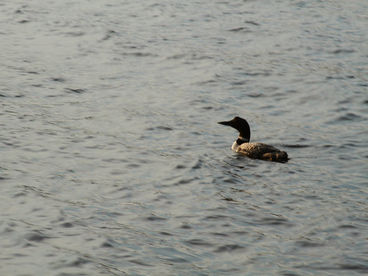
point(253, 150)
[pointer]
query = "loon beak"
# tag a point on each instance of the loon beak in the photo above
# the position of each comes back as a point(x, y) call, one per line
point(226, 123)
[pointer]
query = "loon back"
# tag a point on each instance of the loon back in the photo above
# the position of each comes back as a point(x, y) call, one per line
point(261, 151)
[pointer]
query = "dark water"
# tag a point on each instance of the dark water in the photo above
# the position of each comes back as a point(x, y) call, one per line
point(112, 162)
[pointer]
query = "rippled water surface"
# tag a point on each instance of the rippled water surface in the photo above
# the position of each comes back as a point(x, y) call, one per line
point(112, 161)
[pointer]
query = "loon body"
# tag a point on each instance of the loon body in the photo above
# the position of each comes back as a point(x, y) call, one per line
point(253, 150)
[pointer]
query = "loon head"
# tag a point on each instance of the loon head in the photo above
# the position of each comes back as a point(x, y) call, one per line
point(241, 125)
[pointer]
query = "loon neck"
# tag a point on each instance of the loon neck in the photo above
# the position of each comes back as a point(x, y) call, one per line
point(242, 140)
point(244, 132)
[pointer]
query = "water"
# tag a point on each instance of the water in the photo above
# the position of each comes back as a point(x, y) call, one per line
point(112, 161)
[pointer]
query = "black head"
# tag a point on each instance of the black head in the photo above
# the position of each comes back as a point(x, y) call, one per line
point(241, 125)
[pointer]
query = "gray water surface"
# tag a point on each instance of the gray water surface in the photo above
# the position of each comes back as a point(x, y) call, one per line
point(112, 161)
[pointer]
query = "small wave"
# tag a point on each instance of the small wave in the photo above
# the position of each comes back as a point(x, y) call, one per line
point(334, 77)
point(197, 56)
point(274, 221)
point(357, 267)
point(180, 167)
point(79, 262)
point(228, 248)
point(75, 34)
point(75, 90)
point(342, 51)
point(217, 234)
point(216, 217)
point(131, 166)
point(139, 262)
point(349, 117)
point(36, 237)
point(140, 54)
point(184, 181)
point(347, 226)
point(252, 23)
point(5, 178)
point(337, 267)
point(186, 226)
point(58, 79)
point(160, 128)
point(255, 95)
point(165, 233)
point(297, 146)
point(67, 225)
point(164, 128)
point(198, 242)
point(288, 273)
point(177, 260)
point(197, 165)
point(24, 21)
point(177, 56)
point(107, 244)
point(305, 243)
point(240, 29)
point(349, 145)
point(207, 107)
point(256, 74)
point(155, 218)
point(109, 34)
point(237, 83)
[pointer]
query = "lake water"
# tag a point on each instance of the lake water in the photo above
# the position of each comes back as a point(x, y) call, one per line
point(112, 161)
